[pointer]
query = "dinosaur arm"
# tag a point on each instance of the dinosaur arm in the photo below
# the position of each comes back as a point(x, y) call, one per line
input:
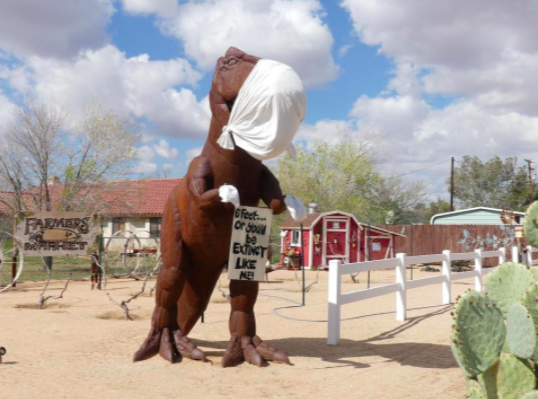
point(199, 185)
point(272, 194)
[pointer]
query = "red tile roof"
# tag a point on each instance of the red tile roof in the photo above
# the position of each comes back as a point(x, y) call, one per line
point(116, 198)
point(144, 197)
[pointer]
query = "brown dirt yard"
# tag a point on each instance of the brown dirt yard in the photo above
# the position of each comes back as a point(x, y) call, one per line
point(79, 346)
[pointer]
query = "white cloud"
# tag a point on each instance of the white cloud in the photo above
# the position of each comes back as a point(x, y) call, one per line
point(398, 115)
point(193, 153)
point(160, 7)
point(145, 153)
point(6, 112)
point(167, 167)
point(327, 130)
point(136, 86)
point(480, 55)
point(53, 28)
point(145, 167)
point(162, 148)
point(290, 31)
point(483, 50)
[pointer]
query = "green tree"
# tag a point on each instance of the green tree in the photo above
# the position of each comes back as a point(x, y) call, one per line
point(345, 176)
point(495, 183)
point(424, 213)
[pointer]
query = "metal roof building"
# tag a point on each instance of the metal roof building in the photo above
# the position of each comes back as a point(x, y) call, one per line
point(478, 215)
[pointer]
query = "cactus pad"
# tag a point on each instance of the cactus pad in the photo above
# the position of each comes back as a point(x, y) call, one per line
point(508, 283)
point(531, 395)
point(530, 225)
point(488, 382)
point(478, 333)
point(534, 271)
point(515, 377)
point(520, 331)
point(476, 393)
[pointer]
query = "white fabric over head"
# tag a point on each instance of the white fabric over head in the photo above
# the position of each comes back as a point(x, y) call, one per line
point(267, 112)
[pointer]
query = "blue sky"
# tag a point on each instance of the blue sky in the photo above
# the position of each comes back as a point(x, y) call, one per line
point(428, 80)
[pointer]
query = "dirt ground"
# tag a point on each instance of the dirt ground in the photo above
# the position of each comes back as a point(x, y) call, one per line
point(80, 347)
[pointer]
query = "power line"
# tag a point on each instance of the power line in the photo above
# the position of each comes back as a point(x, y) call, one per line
point(426, 167)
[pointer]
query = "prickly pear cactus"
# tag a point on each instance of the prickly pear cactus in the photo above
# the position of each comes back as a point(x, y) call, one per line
point(495, 336)
point(520, 332)
point(531, 395)
point(507, 284)
point(488, 382)
point(478, 333)
point(534, 271)
point(530, 226)
point(476, 393)
point(515, 377)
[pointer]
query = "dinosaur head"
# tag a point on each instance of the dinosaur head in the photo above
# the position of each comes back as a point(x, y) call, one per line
point(257, 105)
point(230, 73)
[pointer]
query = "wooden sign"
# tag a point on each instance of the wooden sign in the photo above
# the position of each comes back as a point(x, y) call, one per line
point(250, 243)
point(57, 233)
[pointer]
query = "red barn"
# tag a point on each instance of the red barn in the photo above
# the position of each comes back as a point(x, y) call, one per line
point(335, 235)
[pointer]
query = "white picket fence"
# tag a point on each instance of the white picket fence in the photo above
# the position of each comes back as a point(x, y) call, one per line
point(529, 261)
point(337, 269)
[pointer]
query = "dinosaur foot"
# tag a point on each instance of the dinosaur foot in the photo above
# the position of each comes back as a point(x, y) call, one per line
point(252, 350)
point(171, 344)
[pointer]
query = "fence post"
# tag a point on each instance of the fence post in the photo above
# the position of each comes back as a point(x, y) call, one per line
point(502, 256)
point(447, 273)
point(478, 269)
point(515, 254)
point(401, 294)
point(335, 288)
point(14, 267)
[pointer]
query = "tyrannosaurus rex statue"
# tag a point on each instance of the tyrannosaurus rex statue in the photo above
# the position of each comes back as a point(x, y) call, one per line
point(196, 235)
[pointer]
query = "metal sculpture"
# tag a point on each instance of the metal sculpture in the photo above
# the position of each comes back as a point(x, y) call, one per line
point(196, 233)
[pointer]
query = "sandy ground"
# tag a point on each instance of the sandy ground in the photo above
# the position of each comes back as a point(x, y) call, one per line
point(79, 347)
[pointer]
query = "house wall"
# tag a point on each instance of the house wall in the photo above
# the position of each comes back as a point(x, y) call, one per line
point(139, 226)
point(478, 216)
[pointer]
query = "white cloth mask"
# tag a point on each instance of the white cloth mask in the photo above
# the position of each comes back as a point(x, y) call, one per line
point(267, 112)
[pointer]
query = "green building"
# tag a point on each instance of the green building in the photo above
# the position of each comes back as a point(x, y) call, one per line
point(479, 215)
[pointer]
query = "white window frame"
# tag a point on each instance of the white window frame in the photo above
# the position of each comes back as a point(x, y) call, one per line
point(293, 242)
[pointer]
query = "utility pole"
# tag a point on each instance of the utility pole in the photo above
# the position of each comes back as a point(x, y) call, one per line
point(529, 162)
point(452, 185)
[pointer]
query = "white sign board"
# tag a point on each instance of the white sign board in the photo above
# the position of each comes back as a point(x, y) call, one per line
point(55, 233)
point(250, 243)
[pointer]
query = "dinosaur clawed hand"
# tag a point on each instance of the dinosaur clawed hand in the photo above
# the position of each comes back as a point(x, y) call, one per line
point(252, 350)
point(171, 344)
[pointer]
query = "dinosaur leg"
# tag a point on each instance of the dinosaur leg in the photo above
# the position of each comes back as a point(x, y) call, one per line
point(196, 294)
point(244, 343)
point(165, 337)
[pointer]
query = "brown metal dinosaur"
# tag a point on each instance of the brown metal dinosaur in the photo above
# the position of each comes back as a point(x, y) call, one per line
point(196, 235)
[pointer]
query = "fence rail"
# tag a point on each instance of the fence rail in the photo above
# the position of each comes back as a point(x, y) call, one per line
point(402, 285)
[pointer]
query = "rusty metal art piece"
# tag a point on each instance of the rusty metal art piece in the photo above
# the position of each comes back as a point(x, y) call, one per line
point(196, 234)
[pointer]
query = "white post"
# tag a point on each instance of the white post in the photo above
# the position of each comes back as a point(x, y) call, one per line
point(401, 294)
point(502, 257)
point(447, 273)
point(335, 289)
point(515, 254)
point(529, 255)
point(478, 269)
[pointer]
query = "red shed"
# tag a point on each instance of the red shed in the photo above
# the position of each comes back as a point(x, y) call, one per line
point(336, 235)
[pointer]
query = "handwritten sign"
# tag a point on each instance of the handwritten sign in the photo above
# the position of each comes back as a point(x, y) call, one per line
point(55, 233)
point(250, 243)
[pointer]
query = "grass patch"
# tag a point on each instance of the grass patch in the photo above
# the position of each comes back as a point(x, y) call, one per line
point(118, 315)
point(50, 305)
